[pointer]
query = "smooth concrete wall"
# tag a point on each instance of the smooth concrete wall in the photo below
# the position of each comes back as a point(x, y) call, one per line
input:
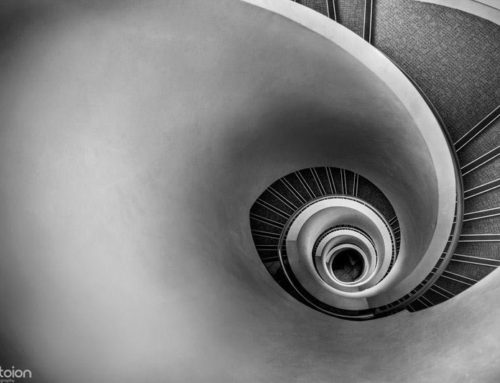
point(134, 139)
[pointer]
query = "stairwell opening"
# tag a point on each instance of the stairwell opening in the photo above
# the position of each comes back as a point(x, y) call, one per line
point(348, 265)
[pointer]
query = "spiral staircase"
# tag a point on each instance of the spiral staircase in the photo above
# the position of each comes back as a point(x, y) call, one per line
point(249, 191)
point(354, 203)
point(471, 125)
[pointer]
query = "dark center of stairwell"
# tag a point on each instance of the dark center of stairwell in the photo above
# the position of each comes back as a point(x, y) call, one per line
point(348, 265)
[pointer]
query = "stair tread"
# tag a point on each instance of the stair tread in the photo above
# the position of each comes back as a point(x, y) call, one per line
point(318, 5)
point(438, 47)
point(351, 14)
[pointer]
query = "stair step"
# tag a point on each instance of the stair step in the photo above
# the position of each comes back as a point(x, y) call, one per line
point(465, 260)
point(487, 173)
point(489, 225)
point(481, 138)
point(320, 6)
point(479, 237)
point(453, 285)
point(481, 214)
point(488, 250)
point(482, 160)
point(484, 142)
point(487, 187)
point(351, 13)
point(437, 47)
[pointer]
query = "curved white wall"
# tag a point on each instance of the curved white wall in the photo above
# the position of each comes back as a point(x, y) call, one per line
point(134, 139)
point(486, 9)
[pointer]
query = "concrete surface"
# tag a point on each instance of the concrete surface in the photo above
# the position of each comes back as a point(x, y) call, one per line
point(134, 139)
